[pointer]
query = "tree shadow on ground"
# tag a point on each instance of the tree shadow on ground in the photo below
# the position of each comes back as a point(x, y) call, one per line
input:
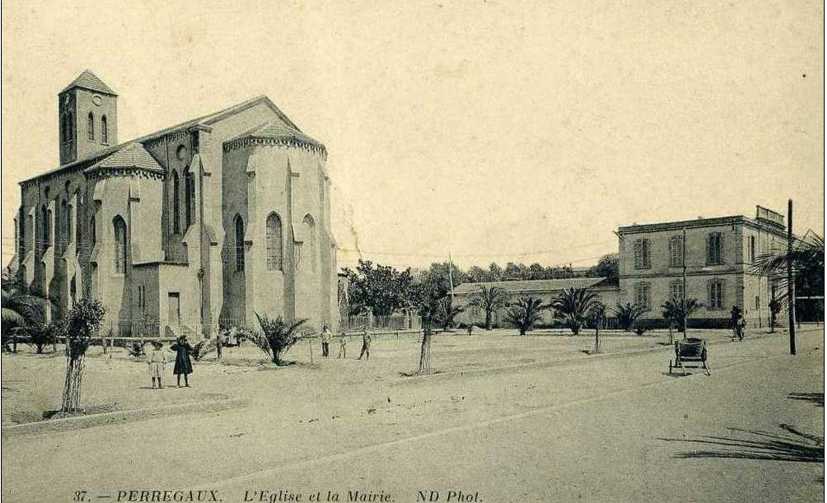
point(816, 398)
point(793, 445)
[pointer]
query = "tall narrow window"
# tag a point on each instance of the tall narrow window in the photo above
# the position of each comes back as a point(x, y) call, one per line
point(104, 130)
point(642, 259)
point(120, 245)
point(70, 126)
point(715, 289)
point(90, 126)
point(21, 242)
point(676, 251)
point(63, 237)
point(176, 204)
point(676, 291)
point(752, 248)
point(92, 231)
point(189, 197)
point(642, 296)
point(274, 243)
point(312, 249)
point(239, 244)
point(714, 249)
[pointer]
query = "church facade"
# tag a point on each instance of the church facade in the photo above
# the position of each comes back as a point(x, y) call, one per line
point(197, 226)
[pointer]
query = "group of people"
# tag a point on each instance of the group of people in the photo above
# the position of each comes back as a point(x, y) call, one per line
point(327, 338)
point(157, 361)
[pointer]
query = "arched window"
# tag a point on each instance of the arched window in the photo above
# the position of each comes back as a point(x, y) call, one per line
point(239, 243)
point(104, 130)
point(312, 251)
point(63, 239)
point(120, 244)
point(176, 203)
point(90, 126)
point(274, 243)
point(189, 197)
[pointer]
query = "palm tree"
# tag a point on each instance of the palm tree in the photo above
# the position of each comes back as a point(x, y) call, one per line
point(673, 313)
point(596, 315)
point(574, 306)
point(807, 257)
point(525, 313)
point(627, 314)
point(22, 310)
point(277, 336)
point(489, 299)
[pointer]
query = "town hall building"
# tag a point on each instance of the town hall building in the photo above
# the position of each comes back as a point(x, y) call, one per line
point(196, 226)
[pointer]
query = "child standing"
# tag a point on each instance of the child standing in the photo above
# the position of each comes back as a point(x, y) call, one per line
point(342, 346)
point(183, 364)
point(156, 360)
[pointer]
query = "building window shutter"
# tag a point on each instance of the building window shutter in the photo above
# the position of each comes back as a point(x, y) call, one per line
point(637, 255)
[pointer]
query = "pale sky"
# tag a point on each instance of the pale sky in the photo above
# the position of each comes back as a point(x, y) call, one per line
point(495, 130)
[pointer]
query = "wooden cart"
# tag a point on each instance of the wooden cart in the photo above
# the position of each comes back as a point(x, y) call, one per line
point(690, 353)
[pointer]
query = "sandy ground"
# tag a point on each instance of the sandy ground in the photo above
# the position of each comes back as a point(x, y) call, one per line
point(609, 429)
point(32, 383)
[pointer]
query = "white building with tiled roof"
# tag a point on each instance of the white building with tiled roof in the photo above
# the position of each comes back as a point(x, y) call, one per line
point(209, 221)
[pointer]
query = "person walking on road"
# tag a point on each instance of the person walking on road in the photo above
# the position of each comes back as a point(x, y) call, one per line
point(736, 321)
point(365, 346)
point(183, 364)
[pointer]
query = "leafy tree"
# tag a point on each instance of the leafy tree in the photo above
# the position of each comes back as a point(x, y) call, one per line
point(476, 274)
point(489, 299)
point(627, 314)
point(607, 267)
point(276, 336)
point(377, 288)
point(574, 305)
point(495, 272)
point(525, 313)
point(673, 311)
point(84, 321)
point(446, 312)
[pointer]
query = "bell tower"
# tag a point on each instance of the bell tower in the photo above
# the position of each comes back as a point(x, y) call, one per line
point(88, 118)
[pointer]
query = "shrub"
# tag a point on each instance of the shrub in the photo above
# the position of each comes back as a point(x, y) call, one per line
point(628, 314)
point(202, 348)
point(276, 336)
point(525, 313)
point(135, 349)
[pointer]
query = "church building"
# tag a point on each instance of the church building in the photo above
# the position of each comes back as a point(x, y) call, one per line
point(193, 227)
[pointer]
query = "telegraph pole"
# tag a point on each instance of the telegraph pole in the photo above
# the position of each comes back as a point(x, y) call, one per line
point(790, 279)
point(683, 261)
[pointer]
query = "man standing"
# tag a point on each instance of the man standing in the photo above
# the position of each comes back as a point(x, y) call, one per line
point(327, 335)
point(365, 346)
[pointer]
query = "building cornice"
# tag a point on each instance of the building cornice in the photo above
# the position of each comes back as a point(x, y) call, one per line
point(275, 142)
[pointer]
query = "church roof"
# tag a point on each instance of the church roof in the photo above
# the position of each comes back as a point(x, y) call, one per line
point(205, 120)
point(133, 156)
point(280, 132)
point(88, 80)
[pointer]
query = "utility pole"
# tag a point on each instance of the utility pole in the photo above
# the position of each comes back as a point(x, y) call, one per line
point(683, 261)
point(790, 279)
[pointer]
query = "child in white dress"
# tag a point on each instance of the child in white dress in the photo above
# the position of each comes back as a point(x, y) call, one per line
point(156, 359)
